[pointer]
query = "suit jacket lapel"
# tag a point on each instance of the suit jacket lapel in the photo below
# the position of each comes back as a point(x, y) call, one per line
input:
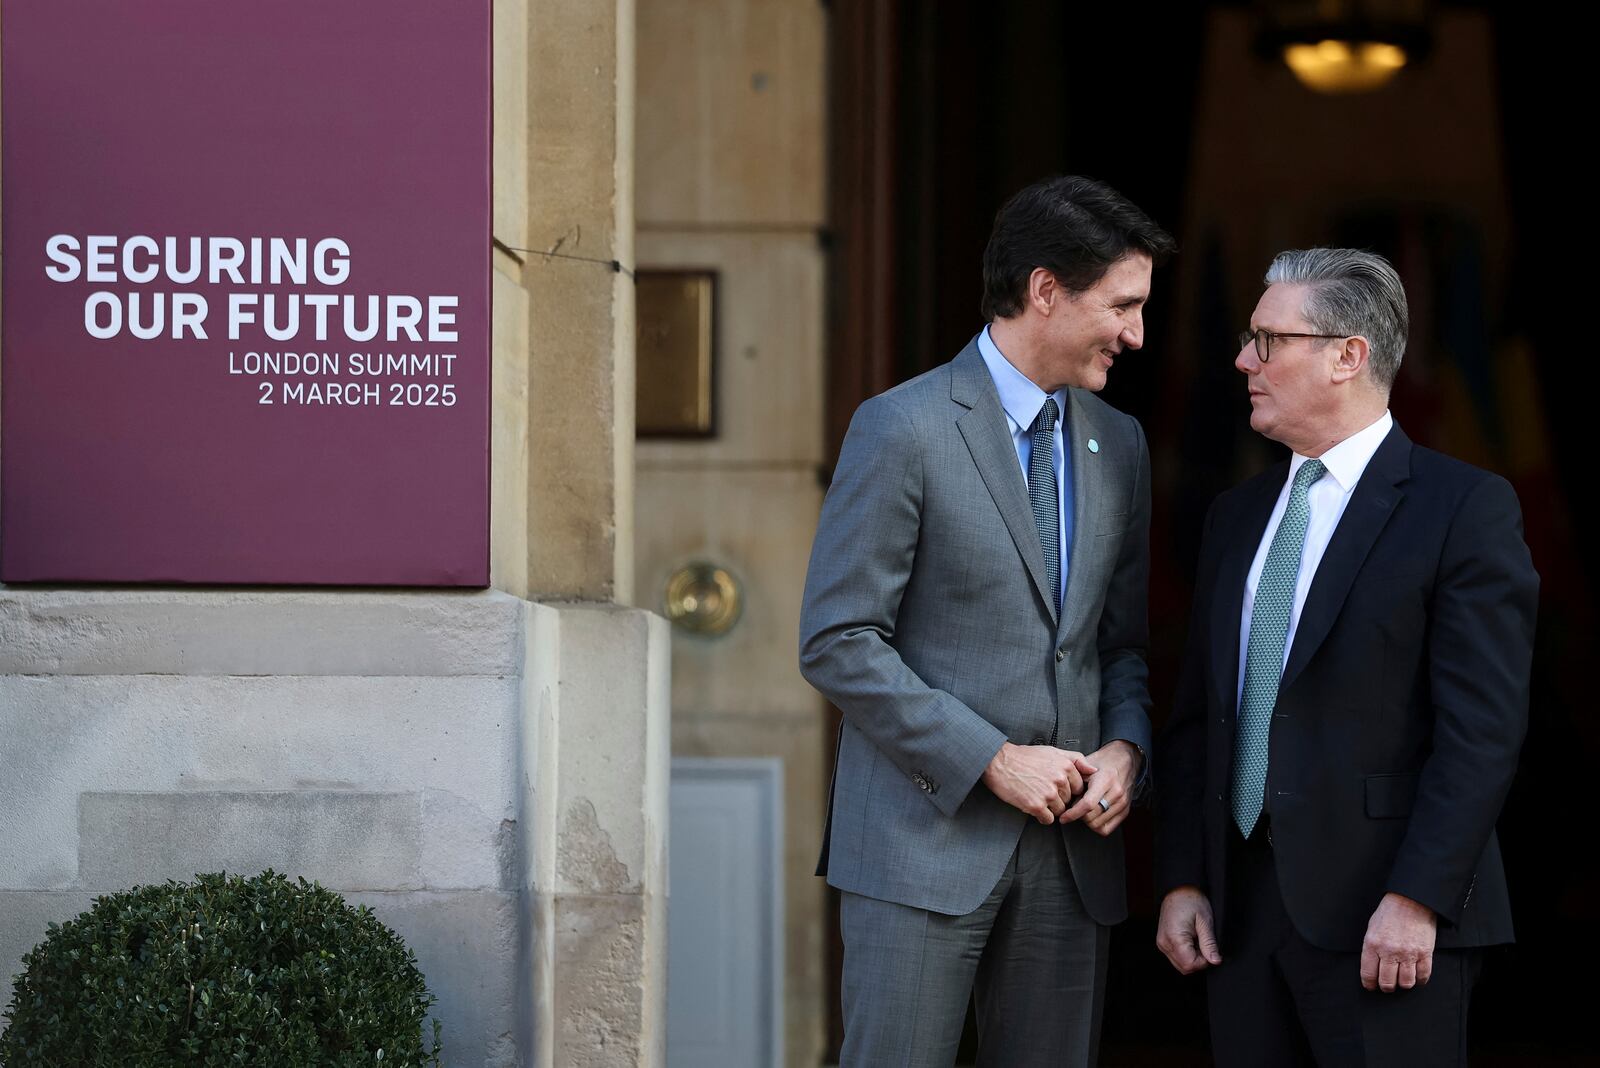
point(1228, 604)
point(988, 438)
point(1086, 493)
point(1371, 504)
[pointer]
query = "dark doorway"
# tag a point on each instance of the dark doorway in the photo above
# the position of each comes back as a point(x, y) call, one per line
point(940, 111)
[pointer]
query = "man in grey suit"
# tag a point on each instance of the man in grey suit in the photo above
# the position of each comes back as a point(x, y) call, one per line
point(975, 606)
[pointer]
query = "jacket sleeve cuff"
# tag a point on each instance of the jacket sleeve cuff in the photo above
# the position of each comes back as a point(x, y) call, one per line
point(949, 785)
point(1429, 893)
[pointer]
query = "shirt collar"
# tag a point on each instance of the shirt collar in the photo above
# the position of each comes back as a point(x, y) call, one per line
point(1020, 398)
point(1348, 459)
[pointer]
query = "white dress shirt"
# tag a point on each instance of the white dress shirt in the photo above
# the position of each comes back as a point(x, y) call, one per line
point(1326, 499)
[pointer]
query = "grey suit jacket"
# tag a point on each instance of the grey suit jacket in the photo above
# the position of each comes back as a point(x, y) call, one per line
point(927, 621)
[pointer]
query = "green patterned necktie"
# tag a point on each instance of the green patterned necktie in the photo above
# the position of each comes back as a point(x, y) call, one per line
point(1263, 668)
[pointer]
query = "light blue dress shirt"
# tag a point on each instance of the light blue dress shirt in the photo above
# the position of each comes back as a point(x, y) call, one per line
point(1022, 400)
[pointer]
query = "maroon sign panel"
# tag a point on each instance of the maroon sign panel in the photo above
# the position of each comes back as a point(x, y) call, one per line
point(245, 333)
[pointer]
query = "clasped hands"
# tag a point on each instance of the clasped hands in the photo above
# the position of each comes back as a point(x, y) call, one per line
point(1062, 786)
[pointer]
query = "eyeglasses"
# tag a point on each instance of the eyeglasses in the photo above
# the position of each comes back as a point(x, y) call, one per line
point(1264, 339)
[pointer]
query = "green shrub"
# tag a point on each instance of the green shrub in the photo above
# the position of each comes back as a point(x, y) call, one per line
point(221, 971)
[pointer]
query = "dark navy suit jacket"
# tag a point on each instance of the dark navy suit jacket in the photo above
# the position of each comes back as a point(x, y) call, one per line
point(1400, 715)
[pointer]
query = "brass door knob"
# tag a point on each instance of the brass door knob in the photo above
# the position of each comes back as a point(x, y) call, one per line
point(703, 598)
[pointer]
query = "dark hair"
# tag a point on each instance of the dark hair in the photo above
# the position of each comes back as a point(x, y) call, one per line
point(1073, 227)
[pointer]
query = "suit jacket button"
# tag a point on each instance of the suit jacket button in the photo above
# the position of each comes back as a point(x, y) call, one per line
point(1061, 654)
point(1038, 739)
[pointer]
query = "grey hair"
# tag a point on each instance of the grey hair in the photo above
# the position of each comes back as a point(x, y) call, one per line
point(1352, 292)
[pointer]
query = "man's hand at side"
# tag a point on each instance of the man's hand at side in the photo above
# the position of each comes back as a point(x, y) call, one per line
point(1185, 932)
point(1118, 763)
point(1038, 779)
point(1397, 952)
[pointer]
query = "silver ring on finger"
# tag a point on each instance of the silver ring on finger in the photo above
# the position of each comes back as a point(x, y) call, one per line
point(1105, 806)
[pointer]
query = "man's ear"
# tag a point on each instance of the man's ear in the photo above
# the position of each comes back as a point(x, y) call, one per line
point(1044, 292)
point(1351, 358)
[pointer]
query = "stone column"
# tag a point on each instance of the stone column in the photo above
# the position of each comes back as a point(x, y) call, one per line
point(596, 847)
point(581, 343)
point(608, 895)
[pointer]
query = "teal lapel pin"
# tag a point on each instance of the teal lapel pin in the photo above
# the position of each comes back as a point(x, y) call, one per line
point(1094, 446)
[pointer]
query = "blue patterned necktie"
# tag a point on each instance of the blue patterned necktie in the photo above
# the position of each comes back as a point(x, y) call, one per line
point(1042, 494)
point(1269, 630)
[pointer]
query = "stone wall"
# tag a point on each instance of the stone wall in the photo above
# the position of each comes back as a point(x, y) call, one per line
point(460, 762)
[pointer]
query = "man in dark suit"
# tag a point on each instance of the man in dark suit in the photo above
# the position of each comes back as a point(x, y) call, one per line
point(975, 606)
point(1353, 698)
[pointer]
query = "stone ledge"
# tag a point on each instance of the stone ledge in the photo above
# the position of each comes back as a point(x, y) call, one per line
point(454, 739)
point(347, 840)
point(53, 631)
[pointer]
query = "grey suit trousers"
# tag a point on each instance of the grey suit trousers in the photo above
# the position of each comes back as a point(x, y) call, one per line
point(1031, 953)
